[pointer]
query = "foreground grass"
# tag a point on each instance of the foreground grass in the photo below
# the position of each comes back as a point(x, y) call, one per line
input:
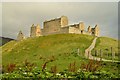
point(91, 69)
point(60, 49)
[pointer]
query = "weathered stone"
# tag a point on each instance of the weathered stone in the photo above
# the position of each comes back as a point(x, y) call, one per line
point(20, 36)
point(35, 31)
point(58, 26)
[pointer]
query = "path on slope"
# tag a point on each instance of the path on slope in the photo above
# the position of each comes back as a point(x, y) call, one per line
point(88, 52)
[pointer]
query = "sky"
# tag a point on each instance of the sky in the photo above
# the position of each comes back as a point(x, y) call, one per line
point(18, 16)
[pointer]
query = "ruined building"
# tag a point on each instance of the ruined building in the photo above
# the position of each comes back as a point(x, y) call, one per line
point(35, 31)
point(20, 36)
point(60, 25)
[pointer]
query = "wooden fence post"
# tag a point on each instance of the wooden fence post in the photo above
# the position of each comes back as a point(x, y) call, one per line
point(107, 55)
point(88, 54)
point(111, 49)
point(113, 56)
point(96, 52)
point(78, 52)
point(100, 55)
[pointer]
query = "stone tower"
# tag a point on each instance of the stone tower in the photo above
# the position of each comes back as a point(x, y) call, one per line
point(64, 21)
point(96, 30)
point(89, 29)
point(20, 36)
point(35, 31)
point(81, 27)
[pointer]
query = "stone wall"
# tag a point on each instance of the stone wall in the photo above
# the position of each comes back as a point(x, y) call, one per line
point(20, 36)
point(32, 31)
point(81, 26)
point(74, 29)
point(64, 21)
point(64, 29)
point(38, 31)
point(53, 26)
point(95, 31)
point(35, 31)
point(59, 26)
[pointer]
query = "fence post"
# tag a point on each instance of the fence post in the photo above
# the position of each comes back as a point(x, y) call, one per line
point(78, 52)
point(88, 54)
point(111, 51)
point(107, 55)
point(100, 55)
point(113, 56)
point(96, 53)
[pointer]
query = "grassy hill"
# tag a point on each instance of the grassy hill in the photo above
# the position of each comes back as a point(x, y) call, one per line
point(62, 47)
point(4, 40)
point(105, 44)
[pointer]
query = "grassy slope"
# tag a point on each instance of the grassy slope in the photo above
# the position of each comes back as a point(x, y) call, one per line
point(4, 40)
point(105, 44)
point(61, 46)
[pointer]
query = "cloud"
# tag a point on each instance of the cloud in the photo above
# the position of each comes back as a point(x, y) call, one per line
point(20, 16)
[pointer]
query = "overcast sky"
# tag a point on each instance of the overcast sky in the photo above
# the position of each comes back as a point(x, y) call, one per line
point(20, 16)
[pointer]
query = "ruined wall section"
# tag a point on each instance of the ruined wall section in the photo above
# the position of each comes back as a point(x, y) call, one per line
point(64, 21)
point(81, 26)
point(38, 31)
point(20, 36)
point(77, 28)
point(52, 27)
point(94, 31)
point(64, 29)
point(35, 31)
point(32, 31)
point(74, 29)
point(97, 31)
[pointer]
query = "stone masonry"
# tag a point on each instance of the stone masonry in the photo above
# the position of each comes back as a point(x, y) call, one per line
point(20, 36)
point(60, 25)
point(35, 31)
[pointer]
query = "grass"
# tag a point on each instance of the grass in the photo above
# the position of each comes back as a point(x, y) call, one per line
point(62, 48)
point(104, 44)
point(33, 49)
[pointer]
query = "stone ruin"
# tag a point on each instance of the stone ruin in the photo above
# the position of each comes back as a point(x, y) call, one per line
point(60, 26)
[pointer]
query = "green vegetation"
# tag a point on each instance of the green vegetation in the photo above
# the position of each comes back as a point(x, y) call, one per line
point(27, 70)
point(105, 44)
point(56, 56)
point(40, 49)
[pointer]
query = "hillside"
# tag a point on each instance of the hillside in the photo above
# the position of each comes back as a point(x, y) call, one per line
point(61, 49)
point(39, 49)
point(4, 40)
point(105, 44)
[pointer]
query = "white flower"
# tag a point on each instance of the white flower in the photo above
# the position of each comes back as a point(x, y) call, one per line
point(58, 74)
point(19, 68)
point(24, 73)
point(35, 67)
